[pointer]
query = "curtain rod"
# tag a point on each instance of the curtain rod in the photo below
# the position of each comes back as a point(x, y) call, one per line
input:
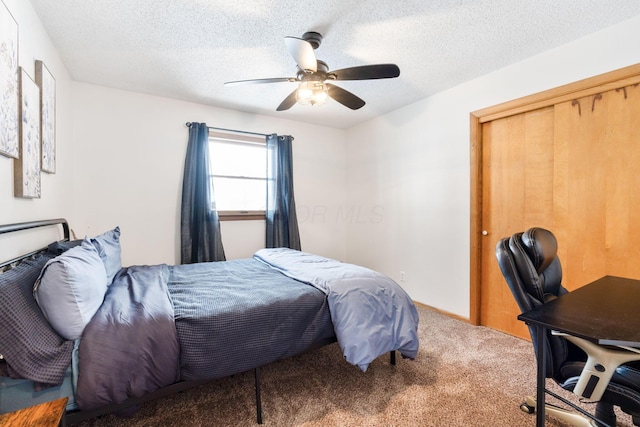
point(236, 131)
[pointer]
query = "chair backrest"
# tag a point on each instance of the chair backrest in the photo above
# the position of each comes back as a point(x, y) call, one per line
point(531, 268)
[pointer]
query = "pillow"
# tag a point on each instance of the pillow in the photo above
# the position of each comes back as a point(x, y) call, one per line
point(71, 288)
point(28, 343)
point(60, 247)
point(108, 246)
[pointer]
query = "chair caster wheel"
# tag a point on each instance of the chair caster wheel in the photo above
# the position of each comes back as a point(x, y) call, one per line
point(527, 408)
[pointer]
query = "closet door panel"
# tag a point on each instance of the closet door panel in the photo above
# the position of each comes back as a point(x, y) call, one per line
point(622, 138)
point(581, 183)
point(518, 193)
point(600, 135)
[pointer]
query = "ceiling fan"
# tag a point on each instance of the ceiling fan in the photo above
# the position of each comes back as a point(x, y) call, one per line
point(313, 76)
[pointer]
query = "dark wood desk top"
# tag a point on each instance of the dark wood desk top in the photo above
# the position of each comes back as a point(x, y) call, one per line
point(46, 414)
point(606, 311)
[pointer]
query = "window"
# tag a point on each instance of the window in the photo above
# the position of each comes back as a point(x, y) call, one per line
point(239, 175)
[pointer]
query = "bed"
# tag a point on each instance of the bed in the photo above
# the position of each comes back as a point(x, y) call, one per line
point(70, 313)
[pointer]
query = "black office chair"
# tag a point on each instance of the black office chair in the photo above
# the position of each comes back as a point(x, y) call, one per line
point(531, 267)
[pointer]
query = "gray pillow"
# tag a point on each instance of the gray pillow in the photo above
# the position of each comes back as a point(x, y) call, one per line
point(71, 288)
point(108, 246)
point(28, 343)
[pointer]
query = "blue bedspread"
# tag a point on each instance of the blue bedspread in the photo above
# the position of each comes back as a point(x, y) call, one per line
point(371, 313)
point(238, 315)
point(160, 324)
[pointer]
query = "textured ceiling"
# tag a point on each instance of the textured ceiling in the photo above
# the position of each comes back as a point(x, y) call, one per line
point(187, 49)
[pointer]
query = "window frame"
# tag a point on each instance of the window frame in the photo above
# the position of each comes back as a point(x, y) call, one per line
point(239, 215)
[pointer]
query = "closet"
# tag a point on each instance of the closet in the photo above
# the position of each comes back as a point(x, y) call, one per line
point(567, 159)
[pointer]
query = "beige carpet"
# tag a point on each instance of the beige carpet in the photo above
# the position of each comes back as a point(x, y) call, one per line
point(463, 376)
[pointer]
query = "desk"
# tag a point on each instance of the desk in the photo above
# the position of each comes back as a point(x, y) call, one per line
point(605, 312)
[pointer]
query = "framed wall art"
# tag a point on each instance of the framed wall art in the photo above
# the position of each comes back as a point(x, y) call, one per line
point(47, 84)
point(8, 83)
point(27, 167)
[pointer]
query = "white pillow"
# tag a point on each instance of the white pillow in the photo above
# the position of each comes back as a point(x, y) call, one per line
point(71, 288)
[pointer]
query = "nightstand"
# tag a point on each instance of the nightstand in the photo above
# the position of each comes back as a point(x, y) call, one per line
point(48, 414)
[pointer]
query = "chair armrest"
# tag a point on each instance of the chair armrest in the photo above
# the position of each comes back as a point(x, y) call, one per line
point(600, 366)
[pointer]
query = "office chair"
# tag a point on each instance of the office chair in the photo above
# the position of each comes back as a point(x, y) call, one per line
point(531, 268)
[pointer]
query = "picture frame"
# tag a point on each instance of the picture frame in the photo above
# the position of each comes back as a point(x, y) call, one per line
point(27, 167)
point(9, 140)
point(47, 84)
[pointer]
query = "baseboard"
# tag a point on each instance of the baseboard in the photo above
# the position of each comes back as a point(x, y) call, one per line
point(443, 312)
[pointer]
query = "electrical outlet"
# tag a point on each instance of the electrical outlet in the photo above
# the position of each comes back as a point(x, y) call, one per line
point(402, 276)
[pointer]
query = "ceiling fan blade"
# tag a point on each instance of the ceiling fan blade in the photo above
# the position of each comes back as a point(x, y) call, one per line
point(260, 81)
point(302, 53)
point(368, 72)
point(288, 102)
point(344, 97)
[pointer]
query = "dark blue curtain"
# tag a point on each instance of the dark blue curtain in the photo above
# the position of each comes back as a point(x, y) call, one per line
point(282, 222)
point(199, 224)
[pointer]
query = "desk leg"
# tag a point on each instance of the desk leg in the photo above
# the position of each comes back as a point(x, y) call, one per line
point(541, 376)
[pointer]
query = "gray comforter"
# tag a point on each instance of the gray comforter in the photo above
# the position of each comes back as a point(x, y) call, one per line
point(371, 313)
point(130, 346)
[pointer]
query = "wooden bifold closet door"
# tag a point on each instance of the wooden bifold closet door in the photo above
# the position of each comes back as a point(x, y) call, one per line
point(571, 165)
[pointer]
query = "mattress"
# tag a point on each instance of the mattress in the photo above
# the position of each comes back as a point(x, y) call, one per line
point(20, 393)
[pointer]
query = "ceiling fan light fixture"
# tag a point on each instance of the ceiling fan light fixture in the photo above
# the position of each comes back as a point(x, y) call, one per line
point(312, 73)
point(312, 92)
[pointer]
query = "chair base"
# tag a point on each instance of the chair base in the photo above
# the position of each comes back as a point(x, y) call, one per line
point(572, 418)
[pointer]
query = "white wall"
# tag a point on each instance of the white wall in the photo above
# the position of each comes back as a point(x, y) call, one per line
point(406, 206)
point(56, 197)
point(119, 162)
point(413, 166)
point(129, 157)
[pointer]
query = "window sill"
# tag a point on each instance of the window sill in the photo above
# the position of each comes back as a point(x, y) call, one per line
point(241, 215)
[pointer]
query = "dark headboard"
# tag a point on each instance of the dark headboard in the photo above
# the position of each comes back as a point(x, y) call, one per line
point(9, 228)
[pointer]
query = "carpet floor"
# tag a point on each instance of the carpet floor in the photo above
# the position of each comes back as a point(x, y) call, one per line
point(463, 376)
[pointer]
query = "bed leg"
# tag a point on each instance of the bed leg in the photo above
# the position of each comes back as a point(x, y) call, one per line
point(393, 357)
point(258, 400)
